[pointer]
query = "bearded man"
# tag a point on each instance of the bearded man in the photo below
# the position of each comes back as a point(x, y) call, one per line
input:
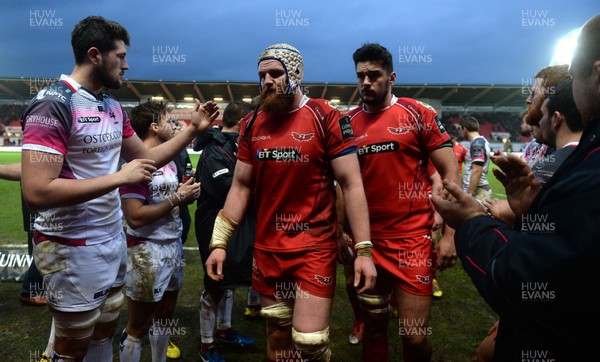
point(290, 152)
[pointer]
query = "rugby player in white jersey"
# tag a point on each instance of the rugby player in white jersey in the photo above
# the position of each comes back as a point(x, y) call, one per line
point(73, 137)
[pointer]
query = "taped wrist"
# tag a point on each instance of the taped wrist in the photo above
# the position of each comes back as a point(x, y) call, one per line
point(364, 248)
point(222, 231)
point(175, 199)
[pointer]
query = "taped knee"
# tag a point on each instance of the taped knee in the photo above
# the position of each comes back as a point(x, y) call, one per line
point(377, 314)
point(76, 325)
point(374, 304)
point(280, 314)
point(313, 346)
point(111, 307)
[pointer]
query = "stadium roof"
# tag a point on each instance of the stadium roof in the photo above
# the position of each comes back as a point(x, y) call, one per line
point(451, 97)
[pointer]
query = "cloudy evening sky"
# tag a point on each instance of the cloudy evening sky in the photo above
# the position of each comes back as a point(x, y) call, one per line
point(432, 41)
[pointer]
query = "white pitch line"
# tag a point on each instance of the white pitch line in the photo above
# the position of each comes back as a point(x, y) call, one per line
point(24, 246)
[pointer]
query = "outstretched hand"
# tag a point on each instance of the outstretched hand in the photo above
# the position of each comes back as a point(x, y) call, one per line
point(500, 209)
point(203, 115)
point(456, 212)
point(519, 182)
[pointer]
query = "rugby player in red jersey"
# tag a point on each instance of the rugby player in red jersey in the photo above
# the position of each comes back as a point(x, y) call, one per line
point(396, 138)
point(461, 153)
point(289, 154)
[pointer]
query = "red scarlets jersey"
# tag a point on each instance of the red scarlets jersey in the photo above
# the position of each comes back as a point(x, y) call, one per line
point(293, 180)
point(461, 155)
point(393, 151)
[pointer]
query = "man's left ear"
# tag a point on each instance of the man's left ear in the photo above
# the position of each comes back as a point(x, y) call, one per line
point(94, 55)
point(557, 119)
point(392, 78)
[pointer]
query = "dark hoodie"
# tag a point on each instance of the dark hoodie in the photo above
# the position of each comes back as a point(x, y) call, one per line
point(215, 173)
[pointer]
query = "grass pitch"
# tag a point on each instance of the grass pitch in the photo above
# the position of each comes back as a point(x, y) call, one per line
point(458, 321)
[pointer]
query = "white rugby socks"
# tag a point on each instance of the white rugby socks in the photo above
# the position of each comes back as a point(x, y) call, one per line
point(130, 349)
point(158, 345)
point(99, 351)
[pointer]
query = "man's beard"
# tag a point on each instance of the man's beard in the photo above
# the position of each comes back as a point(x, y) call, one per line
point(526, 133)
point(276, 102)
point(548, 137)
point(534, 113)
point(375, 99)
point(165, 137)
point(107, 81)
point(537, 134)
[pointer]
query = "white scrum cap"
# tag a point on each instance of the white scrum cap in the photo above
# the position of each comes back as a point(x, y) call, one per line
point(292, 62)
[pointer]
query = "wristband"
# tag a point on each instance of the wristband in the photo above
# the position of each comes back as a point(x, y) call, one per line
point(368, 252)
point(364, 248)
point(175, 200)
point(363, 244)
point(222, 231)
point(180, 196)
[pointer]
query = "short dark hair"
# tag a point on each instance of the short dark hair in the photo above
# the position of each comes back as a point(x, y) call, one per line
point(234, 112)
point(561, 100)
point(470, 123)
point(374, 52)
point(96, 32)
point(145, 114)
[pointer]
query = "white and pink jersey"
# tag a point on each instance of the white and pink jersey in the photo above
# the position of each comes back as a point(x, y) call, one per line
point(164, 184)
point(87, 130)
